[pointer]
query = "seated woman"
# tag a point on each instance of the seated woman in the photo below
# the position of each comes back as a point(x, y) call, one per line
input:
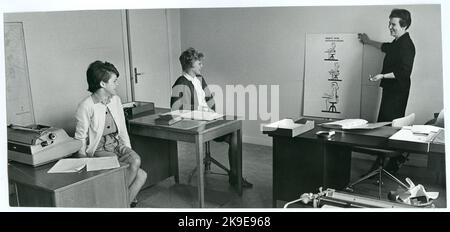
point(100, 125)
point(190, 92)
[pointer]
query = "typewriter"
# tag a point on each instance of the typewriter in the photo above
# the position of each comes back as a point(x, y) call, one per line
point(38, 144)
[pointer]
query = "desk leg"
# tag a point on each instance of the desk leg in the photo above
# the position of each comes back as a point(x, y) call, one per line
point(173, 154)
point(436, 163)
point(200, 170)
point(236, 148)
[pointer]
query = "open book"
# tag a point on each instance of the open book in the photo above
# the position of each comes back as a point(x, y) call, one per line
point(352, 124)
point(91, 164)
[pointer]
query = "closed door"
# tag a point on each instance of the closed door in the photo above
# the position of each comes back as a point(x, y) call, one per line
point(149, 56)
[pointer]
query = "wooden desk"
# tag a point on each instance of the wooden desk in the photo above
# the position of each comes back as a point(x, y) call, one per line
point(35, 187)
point(306, 162)
point(147, 137)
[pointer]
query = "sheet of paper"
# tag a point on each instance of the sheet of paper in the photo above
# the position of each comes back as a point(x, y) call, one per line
point(370, 125)
point(176, 112)
point(67, 166)
point(201, 115)
point(195, 114)
point(424, 129)
point(408, 135)
point(346, 124)
point(286, 123)
point(92, 164)
point(100, 163)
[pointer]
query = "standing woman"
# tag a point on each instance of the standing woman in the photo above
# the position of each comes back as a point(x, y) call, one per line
point(397, 66)
point(101, 125)
point(395, 75)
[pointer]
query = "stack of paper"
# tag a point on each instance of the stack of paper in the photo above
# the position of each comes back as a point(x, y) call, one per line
point(287, 127)
point(416, 137)
point(345, 124)
point(353, 124)
point(92, 164)
point(408, 135)
point(424, 129)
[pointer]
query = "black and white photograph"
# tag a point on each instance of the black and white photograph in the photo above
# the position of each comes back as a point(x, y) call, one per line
point(237, 105)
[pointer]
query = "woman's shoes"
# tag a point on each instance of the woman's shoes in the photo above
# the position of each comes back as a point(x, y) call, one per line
point(134, 203)
point(245, 183)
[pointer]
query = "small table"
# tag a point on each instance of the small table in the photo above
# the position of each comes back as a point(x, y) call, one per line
point(145, 130)
point(34, 187)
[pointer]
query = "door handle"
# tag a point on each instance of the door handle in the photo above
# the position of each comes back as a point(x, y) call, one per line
point(136, 74)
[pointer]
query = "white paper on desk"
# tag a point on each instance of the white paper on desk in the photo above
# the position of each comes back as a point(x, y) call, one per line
point(354, 123)
point(196, 114)
point(201, 115)
point(369, 126)
point(100, 163)
point(176, 112)
point(67, 166)
point(286, 123)
point(424, 129)
point(408, 135)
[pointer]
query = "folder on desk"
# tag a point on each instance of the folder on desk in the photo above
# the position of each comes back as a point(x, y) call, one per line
point(412, 139)
point(287, 127)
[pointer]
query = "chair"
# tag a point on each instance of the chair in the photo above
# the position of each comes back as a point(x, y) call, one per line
point(381, 157)
point(208, 159)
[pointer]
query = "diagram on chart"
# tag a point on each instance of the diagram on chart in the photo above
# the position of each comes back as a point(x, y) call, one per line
point(18, 91)
point(332, 99)
point(334, 72)
point(331, 52)
point(333, 66)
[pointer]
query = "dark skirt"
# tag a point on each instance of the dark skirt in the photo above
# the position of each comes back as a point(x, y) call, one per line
point(393, 105)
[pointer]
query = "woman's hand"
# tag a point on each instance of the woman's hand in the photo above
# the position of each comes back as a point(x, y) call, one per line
point(364, 38)
point(376, 77)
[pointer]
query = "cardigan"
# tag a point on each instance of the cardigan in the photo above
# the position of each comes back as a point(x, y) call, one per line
point(90, 122)
point(184, 96)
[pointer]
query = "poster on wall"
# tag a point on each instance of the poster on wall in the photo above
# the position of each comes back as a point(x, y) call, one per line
point(18, 91)
point(333, 68)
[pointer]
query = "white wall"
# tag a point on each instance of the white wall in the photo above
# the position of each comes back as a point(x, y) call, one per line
point(255, 46)
point(247, 46)
point(173, 22)
point(60, 46)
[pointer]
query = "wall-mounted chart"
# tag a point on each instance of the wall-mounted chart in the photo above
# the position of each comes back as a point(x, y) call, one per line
point(333, 66)
point(18, 93)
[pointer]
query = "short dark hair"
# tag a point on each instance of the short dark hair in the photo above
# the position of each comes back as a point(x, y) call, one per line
point(404, 15)
point(188, 57)
point(97, 72)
